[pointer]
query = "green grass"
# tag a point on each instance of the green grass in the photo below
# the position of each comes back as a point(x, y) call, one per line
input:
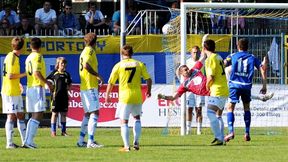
point(154, 147)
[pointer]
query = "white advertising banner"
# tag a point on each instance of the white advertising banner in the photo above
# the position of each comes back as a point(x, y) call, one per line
point(160, 113)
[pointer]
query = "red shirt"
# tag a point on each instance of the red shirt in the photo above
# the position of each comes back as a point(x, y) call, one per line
point(195, 83)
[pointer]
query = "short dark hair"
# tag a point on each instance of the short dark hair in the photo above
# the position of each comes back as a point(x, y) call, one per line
point(35, 43)
point(90, 39)
point(210, 45)
point(127, 50)
point(92, 4)
point(68, 3)
point(243, 44)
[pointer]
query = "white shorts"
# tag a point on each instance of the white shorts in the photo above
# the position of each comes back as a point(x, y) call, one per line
point(194, 100)
point(35, 99)
point(90, 100)
point(124, 110)
point(217, 101)
point(12, 104)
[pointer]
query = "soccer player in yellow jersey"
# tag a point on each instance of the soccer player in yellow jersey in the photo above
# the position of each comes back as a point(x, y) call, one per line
point(12, 102)
point(89, 76)
point(217, 85)
point(35, 92)
point(129, 73)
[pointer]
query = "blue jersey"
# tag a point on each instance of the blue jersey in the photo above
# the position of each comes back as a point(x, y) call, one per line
point(242, 72)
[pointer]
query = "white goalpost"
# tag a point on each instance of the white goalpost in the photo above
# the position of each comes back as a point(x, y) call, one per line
point(256, 10)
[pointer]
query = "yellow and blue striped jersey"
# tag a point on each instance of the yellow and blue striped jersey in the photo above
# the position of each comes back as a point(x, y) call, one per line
point(35, 62)
point(87, 80)
point(11, 65)
point(214, 67)
point(129, 73)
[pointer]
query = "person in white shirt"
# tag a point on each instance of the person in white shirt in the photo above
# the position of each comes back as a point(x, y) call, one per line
point(194, 100)
point(94, 19)
point(45, 18)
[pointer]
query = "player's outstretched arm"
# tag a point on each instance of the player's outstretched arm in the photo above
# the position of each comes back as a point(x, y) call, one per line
point(171, 98)
point(39, 76)
point(203, 57)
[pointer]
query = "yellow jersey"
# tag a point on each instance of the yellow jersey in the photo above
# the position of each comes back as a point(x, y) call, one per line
point(214, 67)
point(11, 65)
point(35, 62)
point(87, 80)
point(129, 73)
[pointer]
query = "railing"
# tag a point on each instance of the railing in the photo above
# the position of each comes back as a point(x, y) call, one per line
point(151, 22)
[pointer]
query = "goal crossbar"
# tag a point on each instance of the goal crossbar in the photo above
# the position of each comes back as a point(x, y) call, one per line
point(234, 5)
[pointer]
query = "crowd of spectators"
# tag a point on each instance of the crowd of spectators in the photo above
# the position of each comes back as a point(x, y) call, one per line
point(48, 21)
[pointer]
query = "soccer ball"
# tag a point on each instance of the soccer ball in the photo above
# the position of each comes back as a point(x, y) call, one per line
point(167, 29)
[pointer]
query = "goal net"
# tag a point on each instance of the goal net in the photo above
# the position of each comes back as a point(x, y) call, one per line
point(197, 19)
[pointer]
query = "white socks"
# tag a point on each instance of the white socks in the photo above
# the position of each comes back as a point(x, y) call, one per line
point(22, 129)
point(137, 131)
point(188, 127)
point(32, 127)
point(125, 134)
point(221, 123)
point(92, 124)
point(199, 128)
point(214, 123)
point(9, 125)
point(83, 129)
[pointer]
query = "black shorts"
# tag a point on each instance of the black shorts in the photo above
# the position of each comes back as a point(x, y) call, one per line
point(59, 105)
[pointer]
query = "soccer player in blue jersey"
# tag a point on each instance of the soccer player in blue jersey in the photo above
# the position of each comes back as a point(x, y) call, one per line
point(240, 84)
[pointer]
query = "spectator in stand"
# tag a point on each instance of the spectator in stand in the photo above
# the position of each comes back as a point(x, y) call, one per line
point(8, 14)
point(45, 18)
point(5, 29)
point(94, 19)
point(241, 23)
point(218, 22)
point(115, 23)
point(68, 22)
point(131, 12)
point(25, 27)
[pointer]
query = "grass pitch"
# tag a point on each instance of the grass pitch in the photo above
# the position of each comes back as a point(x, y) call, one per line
point(153, 147)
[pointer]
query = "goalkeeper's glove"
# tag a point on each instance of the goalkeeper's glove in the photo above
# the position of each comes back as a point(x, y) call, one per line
point(161, 96)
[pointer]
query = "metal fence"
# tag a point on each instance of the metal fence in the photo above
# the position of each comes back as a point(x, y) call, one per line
point(260, 34)
point(259, 45)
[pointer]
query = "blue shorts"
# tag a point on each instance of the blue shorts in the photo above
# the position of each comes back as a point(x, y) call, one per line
point(235, 94)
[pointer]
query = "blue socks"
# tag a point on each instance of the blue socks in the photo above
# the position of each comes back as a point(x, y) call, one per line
point(53, 127)
point(63, 127)
point(247, 120)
